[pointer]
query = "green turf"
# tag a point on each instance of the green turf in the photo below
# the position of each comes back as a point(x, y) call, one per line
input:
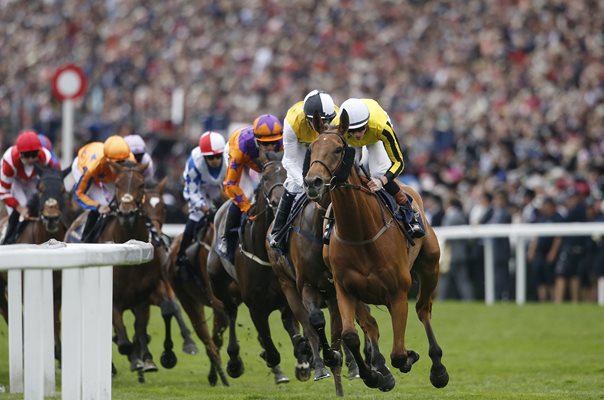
point(498, 352)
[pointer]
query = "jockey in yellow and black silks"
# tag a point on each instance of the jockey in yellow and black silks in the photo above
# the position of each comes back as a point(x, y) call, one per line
point(244, 149)
point(298, 133)
point(370, 126)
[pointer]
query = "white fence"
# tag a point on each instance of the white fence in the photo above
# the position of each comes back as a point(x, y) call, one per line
point(86, 315)
point(518, 233)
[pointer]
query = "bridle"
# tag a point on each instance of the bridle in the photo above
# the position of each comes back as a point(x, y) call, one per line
point(267, 193)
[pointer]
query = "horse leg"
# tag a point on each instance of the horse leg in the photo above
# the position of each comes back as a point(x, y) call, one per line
point(173, 308)
point(141, 320)
point(312, 301)
point(196, 314)
point(270, 354)
point(427, 268)
point(168, 359)
point(300, 345)
point(336, 344)
point(347, 306)
point(124, 346)
point(400, 357)
point(372, 351)
point(301, 314)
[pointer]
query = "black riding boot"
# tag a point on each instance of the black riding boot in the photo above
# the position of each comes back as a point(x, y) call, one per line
point(225, 245)
point(285, 207)
point(11, 228)
point(328, 227)
point(187, 238)
point(93, 217)
point(412, 218)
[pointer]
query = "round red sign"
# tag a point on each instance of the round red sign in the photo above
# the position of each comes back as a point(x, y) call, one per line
point(68, 82)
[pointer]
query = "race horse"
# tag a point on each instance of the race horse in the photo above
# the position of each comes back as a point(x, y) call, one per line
point(132, 285)
point(194, 292)
point(370, 256)
point(250, 279)
point(45, 223)
point(164, 297)
point(308, 284)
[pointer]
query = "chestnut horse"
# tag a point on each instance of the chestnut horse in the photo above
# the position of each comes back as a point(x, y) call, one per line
point(251, 280)
point(308, 284)
point(369, 256)
point(45, 223)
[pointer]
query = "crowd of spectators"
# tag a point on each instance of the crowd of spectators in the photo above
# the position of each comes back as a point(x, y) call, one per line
point(498, 98)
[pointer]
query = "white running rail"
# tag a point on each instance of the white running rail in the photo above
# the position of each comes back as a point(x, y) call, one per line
point(87, 291)
point(518, 233)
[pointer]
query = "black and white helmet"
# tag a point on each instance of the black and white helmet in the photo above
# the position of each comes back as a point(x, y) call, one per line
point(321, 102)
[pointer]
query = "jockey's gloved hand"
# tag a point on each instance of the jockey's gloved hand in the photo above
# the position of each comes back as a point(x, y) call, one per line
point(104, 209)
point(375, 184)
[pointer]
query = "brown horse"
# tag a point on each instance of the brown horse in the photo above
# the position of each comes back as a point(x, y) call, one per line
point(369, 255)
point(45, 223)
point(193, 298)
point(250, 280)
point(132, 285)
point(308, 284)
point(164, 297)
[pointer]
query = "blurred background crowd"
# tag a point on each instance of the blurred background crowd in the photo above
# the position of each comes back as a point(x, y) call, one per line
point(498, 104)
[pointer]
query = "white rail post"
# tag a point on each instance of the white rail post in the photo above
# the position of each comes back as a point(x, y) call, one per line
point(520, 271)
point(15, 330)
point(71, 356)
point(489, 272)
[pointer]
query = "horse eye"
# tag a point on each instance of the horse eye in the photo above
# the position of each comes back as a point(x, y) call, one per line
point(339, 150)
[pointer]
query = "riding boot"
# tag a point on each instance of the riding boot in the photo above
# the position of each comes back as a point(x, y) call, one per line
point(412, 218)
point(11, 228)
point(225, 245)
point(93, 217)
point(328, 227)
point(187, 238)
point(277, 238)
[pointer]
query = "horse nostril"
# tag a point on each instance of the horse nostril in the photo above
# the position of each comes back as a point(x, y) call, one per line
point(318, 182)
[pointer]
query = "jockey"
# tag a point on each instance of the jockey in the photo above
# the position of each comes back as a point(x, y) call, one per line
point(244, 149)
point(139, 150)
point(370, 126)
point(47, 144)
point(91, 187)
point(298, 133)
point(18, 178)
point(204, 173)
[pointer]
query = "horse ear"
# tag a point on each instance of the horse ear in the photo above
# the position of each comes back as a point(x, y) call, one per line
point(142, 167)
point(115, 167)
point(162, 185)
point(39, 169)
point(317, 122)
point(344, 122)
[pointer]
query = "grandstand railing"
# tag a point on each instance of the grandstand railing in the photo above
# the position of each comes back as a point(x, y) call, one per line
point(87, 291)
point(520, 234)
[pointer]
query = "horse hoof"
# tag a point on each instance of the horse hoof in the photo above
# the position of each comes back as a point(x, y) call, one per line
point(353, 372)
point(141, 378)
point(149, 366)
point(388, 382)
point(212, 378)
point(136, 365)
point(280, 377)
point(412, 358)
point(302, 371)
point(321, 373)
point(235, 368)
point(168, 359)
point(439, 377)
point(373, 380)
point(190, 348)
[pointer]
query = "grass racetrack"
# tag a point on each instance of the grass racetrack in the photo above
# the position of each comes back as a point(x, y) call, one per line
point(498, 352)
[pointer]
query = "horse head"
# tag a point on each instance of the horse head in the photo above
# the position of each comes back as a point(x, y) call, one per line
point(154, 206)
point(270, 188)
point(329, 160)
point(129, 187)
point(50, 197)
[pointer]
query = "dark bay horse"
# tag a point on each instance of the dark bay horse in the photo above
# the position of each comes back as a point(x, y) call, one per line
point(251, 280)
point(194, 298)
point(164, 297)
point(369, 255)
point(132, 285)
point(46, 222)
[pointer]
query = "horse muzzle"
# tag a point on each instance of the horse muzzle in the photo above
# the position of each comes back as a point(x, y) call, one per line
point(128, 205)
point(315, 187)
